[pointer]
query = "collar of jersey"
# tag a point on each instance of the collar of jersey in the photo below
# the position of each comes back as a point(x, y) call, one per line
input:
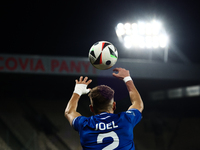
point(103, 113)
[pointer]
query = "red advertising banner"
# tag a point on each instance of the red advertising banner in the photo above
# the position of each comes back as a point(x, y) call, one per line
point(81, 66)
point(46, 65)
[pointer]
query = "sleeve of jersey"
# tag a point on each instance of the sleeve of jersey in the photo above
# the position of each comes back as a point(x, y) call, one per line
point(134, 116)
point(75, 123)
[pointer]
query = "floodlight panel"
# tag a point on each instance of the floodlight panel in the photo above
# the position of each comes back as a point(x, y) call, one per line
point(120, 32)
point(141, 41)
point(142, 34)
point(148, 28)
point(127, 41)
point(120, 29)
point(163, 39)
point(134, 39)
point(134, 29)
point(128, 32)
point(156, 26)
point(127, 26)
point(120, 26)
point(148, 42)
point(155, 42)
point(141, 28)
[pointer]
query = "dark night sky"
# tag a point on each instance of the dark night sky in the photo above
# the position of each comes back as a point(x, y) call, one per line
point(66, 28)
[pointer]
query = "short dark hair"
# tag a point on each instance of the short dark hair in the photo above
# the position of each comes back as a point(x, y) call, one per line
point(101, 96)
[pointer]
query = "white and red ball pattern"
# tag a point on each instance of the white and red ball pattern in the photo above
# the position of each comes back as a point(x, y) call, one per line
point(103, 55)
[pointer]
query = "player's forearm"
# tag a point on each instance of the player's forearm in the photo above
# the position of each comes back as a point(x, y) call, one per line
point(135, 97)
point(70, 111)
point(72, 104)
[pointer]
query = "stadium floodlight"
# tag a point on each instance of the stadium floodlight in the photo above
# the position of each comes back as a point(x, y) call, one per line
point(144, 35)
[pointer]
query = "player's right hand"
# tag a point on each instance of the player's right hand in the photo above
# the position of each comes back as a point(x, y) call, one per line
point(81, 86)
point(121, 73)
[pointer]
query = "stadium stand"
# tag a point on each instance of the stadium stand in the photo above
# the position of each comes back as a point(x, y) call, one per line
point(39, 124)
point(3, 145)
point(28, 137)
point(55, 113)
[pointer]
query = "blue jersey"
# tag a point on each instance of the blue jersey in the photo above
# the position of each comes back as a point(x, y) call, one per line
point(107, 131)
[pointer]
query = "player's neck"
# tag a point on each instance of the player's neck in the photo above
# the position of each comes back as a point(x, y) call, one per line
point(110, 112)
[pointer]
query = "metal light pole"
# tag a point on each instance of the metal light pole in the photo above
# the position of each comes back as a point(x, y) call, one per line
point(166, 53)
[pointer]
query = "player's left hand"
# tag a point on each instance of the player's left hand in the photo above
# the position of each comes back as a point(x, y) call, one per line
point(81, 86)
point(121, 73)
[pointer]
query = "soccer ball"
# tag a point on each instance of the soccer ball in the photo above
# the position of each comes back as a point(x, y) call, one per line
point(103, 55)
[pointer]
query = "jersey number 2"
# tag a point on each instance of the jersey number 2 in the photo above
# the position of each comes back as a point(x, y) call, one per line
point(111, 134)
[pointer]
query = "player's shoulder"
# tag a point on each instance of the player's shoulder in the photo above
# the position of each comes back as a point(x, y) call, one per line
point(79, 119)
point(82, 121)
point(132, 114)
point(132, 111)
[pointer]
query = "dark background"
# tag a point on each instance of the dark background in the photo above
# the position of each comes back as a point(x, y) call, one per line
point(69, 28)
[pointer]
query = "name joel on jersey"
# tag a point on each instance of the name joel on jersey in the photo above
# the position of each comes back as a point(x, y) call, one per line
point(106, 126)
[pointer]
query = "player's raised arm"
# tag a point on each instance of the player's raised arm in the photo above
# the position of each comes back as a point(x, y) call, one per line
point(135, 97)
point(80, 88)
